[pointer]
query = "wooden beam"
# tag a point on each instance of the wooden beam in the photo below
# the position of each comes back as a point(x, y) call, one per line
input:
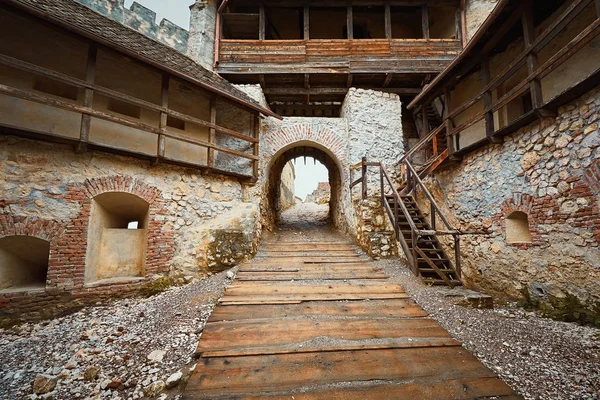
point(261, 80)
point(88, 99)
point(597, 2)
point(425, 21)
point(349, 81)
point(255, 146)
point(306, 23)
point(388, 80)
point(164, 102)
point(210, 161)
point(283, 91)
point(459, 33)
point(388, 21)
point(463, 22)
point(449, 124)
point(535, 86)
point(262, 23)
point(349, 23)
point(487, 101)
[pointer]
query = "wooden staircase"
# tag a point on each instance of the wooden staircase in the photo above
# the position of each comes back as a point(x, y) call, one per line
point(433, 264)
point(417, 234)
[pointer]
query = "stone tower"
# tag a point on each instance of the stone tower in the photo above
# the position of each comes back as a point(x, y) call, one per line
point(201, 45)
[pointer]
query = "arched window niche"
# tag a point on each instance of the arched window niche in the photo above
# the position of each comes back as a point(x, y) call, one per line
point(117, 237)
point(23, 263)
point(517, 228)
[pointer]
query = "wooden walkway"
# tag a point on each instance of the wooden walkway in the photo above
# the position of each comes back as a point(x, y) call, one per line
point(318, 321)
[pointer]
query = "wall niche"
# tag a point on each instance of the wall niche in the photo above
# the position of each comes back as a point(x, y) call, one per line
point(117, 237)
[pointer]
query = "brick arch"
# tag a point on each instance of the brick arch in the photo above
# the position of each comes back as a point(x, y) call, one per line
point(305, 132)
point(118, 183)
point(520, 202)
point(48, 230)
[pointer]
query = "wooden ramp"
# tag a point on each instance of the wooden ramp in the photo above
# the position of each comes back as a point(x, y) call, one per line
point(319, 321)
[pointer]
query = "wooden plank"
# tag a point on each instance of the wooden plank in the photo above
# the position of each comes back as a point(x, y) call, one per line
point(349, 23)
point(425, 21)
point(388, 21)
point(212, 132)
point(243, 289)
point(397, 308)
point(268, 336)
point(235, 375)
point(306, 23)
point(306, 276)
point(452, 389)
point(330, 345)
point(299, 297)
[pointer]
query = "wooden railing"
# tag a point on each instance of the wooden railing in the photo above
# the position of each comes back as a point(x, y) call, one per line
point(414, 183)
point(398, 55)
point(161, 131)
point(528, 58)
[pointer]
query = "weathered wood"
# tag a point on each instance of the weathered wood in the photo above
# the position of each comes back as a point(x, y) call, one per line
point(88, 98)
point(425, 21)
point(262, 22)
point(210, 161)
point(300, 297)
point(349, 23)
point(164, 102)
point(452, 389)
point(306, 23)
point(398, 308)
point(274, 373)
point(256, 288)
point(487, 101)
point(388, 21)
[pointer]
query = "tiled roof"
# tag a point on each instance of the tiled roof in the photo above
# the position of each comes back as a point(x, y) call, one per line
point(76, 17)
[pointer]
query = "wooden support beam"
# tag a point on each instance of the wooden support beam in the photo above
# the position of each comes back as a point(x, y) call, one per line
point(283, 91)
point(425, 21)
point(262, 23)
point(487, 101)
point(452, 147)
point(261, 80)
point(349, 81)
point(349, 23)
point(388, 79)
point(255, 145)
point(212, 133)
point(164, 102)
point(388, 21)
point(597, 2)
point(458, 21)
point(463, 22)
point(88, 99)
point(306, 23)
point(535, 87)
point(307, 86)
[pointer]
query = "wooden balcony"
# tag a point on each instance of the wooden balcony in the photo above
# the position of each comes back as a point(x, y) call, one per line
point(359, 56)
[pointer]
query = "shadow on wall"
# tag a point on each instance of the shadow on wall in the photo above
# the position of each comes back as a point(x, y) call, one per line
point(271, 207)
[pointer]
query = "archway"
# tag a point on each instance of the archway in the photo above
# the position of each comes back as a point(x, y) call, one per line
point(271, 206)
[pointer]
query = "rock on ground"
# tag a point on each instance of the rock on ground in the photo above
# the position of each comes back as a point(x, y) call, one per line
point(102, 352)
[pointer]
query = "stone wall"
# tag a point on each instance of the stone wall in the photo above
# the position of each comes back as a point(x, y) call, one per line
point(375, 233)
point(321, 195)
point(476, 13)
point(288, 177)
point(196, 223)
point(550, 171)
point(143, 20)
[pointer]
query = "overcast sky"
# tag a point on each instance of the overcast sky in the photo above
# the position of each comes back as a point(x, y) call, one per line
point(308, 176)
point(176, 11)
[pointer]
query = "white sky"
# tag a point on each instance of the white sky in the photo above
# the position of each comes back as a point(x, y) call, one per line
point(176, 11)
point(308, 176)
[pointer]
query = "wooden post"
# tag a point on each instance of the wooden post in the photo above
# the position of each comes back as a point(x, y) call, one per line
point(535, 87)
point(364, 178)
point(459, 33)
point(487, 101)
point(433, 222)
point(262, 23)
point(425, 21)
point(212, 133)
point(597, 7)
point(349, 23)
point(388, 21)
point(164, 102)
point(255, 146)
point(88, 99)
point(306, 23)
point(449, 125)
point(463, 22)
point(457, 256)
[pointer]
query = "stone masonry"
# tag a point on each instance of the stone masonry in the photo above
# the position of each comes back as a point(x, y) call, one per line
point(548, 170)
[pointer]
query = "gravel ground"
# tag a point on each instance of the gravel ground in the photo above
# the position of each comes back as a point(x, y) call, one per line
point(538, 357)
point(102, 352)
